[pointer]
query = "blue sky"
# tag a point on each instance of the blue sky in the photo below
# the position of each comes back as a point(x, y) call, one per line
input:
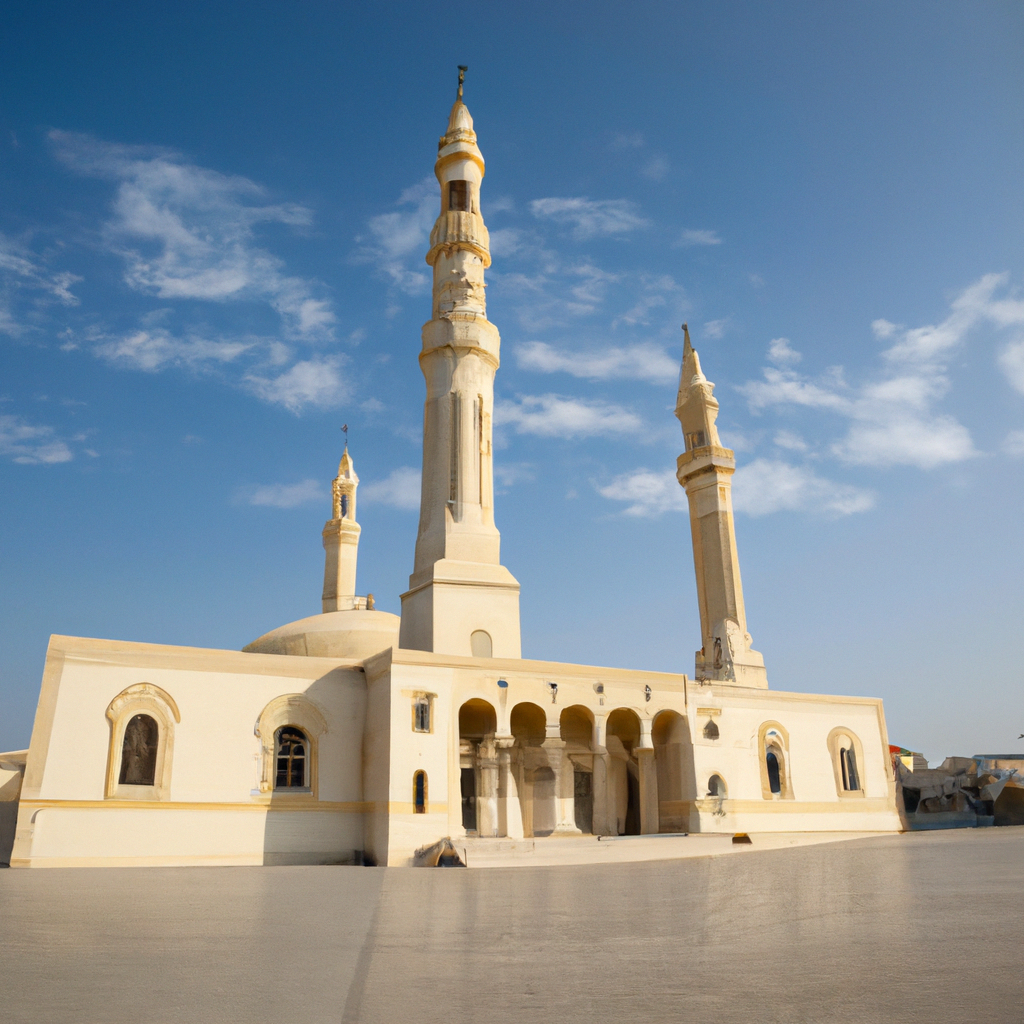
point(212, 233)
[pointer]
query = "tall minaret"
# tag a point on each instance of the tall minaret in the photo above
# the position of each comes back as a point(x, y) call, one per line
point(341, 540)
point(705, 469)
point(461, 599)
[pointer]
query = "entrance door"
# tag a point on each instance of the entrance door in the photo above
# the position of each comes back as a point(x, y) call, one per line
point(583, 801)
point(468, 782)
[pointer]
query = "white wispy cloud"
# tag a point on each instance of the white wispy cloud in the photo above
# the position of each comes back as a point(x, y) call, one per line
point(769, 485)
point(759, 488)
point(189, 232)
point(508, 241)
point(790, 441)
point(305, 492)
point(716, 328)
point(656, 168)
point(396, 241)
point(698, 236)
point(508, 474)
point(1011, 362)
point(26, 282)
point(627, 140)
point(153, 350)
point(649, 492)
point(660, 297)
point(590, 217)
point(782, 353)
point(1013, 443)
point(556, 293)
point(31, 443)
point(893, 419)
point(559, 416)
point(399, 489)
point(632, 362)
point(315, 382)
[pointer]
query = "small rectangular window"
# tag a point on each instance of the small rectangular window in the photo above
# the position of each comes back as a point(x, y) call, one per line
point(458, 196)
point(421, 715)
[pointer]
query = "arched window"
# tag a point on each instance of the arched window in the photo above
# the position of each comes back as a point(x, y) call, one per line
point(847, 758)
point(480, 644)
point(771, 760)
point(716, 786)
point(142, 719)
point(419, 793)
point(296, 714)
point(292, 748)
point(848, 764)
point(138, 752)
point(773, 743)
point(711, 730)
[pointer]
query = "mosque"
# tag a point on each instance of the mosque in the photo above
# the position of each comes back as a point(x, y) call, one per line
point(358, 736)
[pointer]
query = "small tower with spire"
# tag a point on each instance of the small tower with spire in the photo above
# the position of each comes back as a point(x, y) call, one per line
point(341, 540)
point(461, 599)
point(705, 470)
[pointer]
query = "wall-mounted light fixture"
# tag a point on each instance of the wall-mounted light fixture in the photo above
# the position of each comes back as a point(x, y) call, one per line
point(647, 693)
point(553, 687)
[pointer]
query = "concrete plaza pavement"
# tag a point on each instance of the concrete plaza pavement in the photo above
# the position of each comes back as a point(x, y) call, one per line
point(921, 927)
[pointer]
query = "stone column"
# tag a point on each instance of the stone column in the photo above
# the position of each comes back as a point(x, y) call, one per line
point(648, 790)
point(565, 798)
point(554, 751)
point(602, 816)
point(487, 798)
point(510, 815)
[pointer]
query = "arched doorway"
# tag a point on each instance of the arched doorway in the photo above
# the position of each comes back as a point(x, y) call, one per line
point(478, 772)
point(674, 763)
point(577, 730)
point(534, 777)
point(622, 736)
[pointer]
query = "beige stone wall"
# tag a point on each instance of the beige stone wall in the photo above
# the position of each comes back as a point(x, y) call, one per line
point(212, 808)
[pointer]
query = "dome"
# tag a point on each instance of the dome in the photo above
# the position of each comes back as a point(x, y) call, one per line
point(355, 633)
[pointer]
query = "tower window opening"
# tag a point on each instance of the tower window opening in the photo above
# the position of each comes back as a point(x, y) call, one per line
point(696, 439)
point(291, 759)
point(421, 715)
point(419, 793)
point(711, 730)
point(716, 787)
point(458, 196)
point(344, 506)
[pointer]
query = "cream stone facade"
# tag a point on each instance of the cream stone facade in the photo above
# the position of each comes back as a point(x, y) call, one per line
point(360, 736)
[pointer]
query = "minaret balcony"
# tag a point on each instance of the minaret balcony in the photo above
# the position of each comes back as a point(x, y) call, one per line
point(705, 459)
point(459, 228)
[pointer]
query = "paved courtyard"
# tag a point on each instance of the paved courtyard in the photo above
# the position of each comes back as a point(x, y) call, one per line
point(923, 927)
